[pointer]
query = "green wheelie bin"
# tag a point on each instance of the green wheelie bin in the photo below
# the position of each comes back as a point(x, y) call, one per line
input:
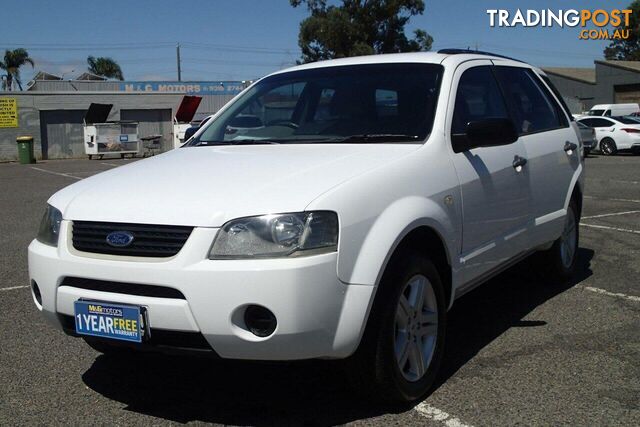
point(25, 150)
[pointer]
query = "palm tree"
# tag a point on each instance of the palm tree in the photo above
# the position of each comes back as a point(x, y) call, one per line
point(13, 60)
point(105, 67)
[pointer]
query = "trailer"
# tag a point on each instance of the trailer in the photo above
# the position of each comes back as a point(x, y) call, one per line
point(104, 137)
point(183, 118)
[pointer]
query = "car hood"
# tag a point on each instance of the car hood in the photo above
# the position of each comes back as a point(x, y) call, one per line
point(207, 186)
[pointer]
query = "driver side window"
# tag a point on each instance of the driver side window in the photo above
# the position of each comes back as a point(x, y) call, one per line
point(478, 98)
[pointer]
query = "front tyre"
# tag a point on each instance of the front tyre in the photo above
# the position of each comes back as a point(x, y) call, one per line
point(402, 349)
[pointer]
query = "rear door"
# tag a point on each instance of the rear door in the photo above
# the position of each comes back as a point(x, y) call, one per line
point(495, 194)
point(552, 146)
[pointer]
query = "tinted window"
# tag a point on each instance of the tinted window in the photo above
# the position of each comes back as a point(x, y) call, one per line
point(625, 120)
point(532, 109)
point(595, 112)
point(478, 98)
point(558, 95)
point(333, 103)
point(601, 123)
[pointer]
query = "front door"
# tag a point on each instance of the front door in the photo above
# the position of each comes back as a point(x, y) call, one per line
point(496, 197)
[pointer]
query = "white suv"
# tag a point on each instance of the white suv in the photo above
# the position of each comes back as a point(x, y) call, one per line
point(376, 192)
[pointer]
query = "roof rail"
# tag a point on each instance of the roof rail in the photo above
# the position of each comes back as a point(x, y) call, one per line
point(476, 52)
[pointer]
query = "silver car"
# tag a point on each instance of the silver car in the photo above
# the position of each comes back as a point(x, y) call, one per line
point(588, 138)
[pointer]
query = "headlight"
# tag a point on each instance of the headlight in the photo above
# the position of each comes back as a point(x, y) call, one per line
point(280, 235)
point(50, 226)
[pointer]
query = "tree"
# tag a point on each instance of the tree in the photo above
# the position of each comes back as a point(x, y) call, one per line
point(13, 60)
point(105, 67)
point(359, 27)
point(627, 49)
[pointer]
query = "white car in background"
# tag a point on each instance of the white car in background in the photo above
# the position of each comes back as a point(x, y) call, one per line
point(614, 134)
point(371, 194)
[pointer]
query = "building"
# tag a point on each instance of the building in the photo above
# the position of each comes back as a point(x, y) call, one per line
point(609, 82)
point(52, 110)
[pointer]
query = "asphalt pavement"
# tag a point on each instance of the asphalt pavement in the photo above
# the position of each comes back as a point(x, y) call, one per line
point(520, 350)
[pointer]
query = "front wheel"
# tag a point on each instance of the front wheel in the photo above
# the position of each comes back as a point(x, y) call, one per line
point(608, 147)
point(402, 349)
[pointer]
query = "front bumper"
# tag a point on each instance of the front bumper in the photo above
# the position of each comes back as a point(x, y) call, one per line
point(318, 316)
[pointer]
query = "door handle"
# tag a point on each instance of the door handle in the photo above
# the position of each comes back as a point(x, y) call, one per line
point(570, 146)
point(519, 162)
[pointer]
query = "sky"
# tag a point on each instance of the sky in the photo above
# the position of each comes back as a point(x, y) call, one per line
point(246, 39)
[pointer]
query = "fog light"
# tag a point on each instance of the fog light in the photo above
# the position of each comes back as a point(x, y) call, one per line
point(260, 321)
point(36, 292)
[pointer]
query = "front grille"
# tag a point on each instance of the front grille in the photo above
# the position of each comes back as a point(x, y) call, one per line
point(156, 241)
point(123, 288)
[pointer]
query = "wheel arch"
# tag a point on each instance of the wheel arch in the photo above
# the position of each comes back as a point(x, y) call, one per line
point(426, 240)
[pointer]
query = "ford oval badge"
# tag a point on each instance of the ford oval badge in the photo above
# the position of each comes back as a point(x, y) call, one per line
point(119, 239)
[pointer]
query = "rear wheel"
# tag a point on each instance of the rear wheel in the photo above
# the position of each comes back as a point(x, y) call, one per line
point(402, 349)
point(608, 147)
point(560, 260)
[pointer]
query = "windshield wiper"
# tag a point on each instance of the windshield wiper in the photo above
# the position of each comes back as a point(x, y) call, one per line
point(236, 142)
point(379, 137)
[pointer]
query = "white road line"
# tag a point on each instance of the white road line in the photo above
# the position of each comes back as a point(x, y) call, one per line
point(623, 181)
point(14, 287)
point(55, 173)
point(612, 294)
point(612, 200)
point(109, 164)
point(610, 214)
point(604, 227)
point(436, 414)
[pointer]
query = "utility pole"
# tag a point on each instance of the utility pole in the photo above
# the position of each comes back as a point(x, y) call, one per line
point(178, 60)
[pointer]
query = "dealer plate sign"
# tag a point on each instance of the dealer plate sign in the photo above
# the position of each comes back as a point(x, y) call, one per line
point(106, 320)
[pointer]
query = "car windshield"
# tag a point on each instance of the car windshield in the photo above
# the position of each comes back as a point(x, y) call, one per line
point(370, 103)
point(595, 112)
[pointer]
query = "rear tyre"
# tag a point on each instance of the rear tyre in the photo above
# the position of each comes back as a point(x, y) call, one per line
point(608, 147)
point(559, 262)
point(401, 351)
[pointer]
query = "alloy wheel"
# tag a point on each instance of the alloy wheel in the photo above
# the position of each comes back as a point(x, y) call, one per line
point(416, 328)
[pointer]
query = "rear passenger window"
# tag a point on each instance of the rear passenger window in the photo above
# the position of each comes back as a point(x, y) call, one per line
point(601, 123)
point(532, 108)
point(478, 98)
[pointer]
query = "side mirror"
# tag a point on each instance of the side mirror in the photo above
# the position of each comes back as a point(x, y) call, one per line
point(485, 133)
point(190, 132)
